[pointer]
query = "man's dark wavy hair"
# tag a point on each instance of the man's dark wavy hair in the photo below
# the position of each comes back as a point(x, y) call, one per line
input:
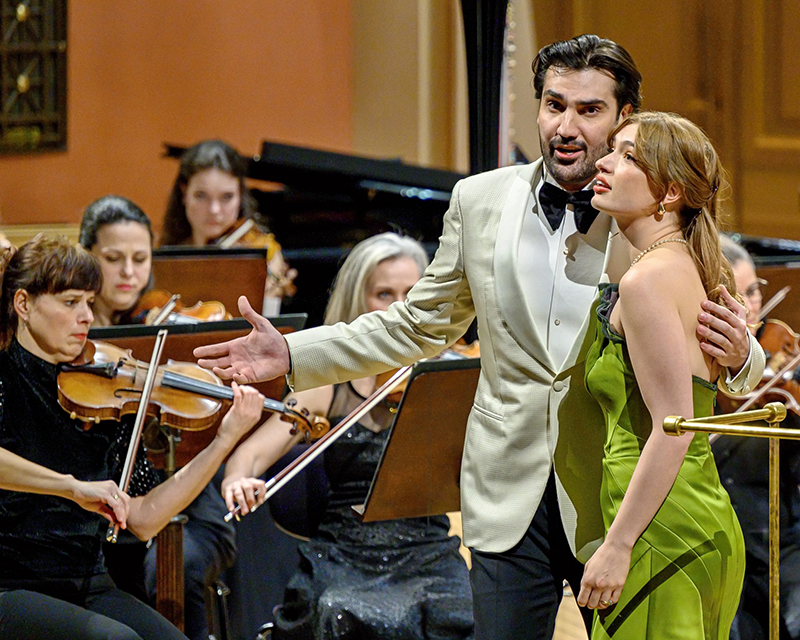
point(591, 52)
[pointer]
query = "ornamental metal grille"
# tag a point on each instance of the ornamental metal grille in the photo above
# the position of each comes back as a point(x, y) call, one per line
point(33, 76)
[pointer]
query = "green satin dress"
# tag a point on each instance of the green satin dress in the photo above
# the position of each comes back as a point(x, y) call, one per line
point(688, 565)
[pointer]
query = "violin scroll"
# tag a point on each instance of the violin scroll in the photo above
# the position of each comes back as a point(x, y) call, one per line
point(313, 427)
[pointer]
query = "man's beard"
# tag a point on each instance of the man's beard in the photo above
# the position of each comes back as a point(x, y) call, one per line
point(576, 173)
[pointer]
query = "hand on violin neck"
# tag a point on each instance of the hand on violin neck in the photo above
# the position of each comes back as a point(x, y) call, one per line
point(243, 415)
point(105, 498)
point(260, 355)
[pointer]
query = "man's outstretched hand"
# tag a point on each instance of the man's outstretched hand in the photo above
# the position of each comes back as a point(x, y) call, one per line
point(260, 355)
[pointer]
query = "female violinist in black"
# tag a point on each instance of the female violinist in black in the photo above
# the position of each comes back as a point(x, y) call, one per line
point(57, 478)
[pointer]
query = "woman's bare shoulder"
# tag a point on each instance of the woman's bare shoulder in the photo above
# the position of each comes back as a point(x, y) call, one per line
point(662, 285)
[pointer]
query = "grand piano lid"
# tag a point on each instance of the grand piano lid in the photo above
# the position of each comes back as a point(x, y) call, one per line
point(314, 170)
point(769, 251)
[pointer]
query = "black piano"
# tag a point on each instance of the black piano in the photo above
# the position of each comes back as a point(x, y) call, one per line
point(777, 260)
point(319, 204)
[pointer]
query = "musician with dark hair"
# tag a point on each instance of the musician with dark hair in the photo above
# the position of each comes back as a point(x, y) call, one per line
point(58, 477)
point(210, 205)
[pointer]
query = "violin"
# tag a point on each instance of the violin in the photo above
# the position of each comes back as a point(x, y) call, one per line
point(107, 383)
point(151, 303)
point(246, 233)
point(782, 349)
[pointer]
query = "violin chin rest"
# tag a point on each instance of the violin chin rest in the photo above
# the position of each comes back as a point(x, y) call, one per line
point(154, 437)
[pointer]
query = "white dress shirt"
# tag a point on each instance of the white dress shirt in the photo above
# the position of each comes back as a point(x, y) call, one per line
point(558, 299)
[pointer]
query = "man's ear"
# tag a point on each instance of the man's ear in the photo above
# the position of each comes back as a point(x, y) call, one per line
point(625, 111)
point(22, 303)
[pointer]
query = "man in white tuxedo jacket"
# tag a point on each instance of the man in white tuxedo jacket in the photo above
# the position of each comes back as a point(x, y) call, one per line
point(528, 269)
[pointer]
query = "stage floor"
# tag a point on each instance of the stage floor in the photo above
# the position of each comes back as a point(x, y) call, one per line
point(569, 623)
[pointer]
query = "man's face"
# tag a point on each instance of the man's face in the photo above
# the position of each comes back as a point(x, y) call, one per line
point(577, 112)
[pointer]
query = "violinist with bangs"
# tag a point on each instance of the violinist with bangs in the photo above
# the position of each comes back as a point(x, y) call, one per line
point(58, 479)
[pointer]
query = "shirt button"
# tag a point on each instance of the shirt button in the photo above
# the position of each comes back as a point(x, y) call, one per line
point(558, 385)
point(556, 322)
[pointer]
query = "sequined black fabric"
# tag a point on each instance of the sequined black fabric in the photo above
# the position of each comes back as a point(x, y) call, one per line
point(45, 536)
point(401, 579)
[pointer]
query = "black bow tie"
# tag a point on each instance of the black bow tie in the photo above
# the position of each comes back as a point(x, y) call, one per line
point(554, 201)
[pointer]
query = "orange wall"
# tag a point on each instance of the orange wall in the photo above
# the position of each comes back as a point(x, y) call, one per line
point(142, 72)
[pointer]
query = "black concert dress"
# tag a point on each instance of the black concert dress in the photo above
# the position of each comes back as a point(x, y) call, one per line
point(51, 547)
point(399, 579)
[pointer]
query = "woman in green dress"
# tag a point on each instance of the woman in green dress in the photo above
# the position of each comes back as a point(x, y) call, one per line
point(672, 561)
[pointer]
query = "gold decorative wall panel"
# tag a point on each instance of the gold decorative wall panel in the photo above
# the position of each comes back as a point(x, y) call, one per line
point(33, 75)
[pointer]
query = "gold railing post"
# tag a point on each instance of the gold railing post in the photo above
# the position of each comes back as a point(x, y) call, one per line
point(730, 424)
point(774, 539)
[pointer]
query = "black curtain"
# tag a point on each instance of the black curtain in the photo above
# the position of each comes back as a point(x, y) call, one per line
point(484, 28)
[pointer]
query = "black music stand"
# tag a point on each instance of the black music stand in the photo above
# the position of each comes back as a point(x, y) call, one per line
point(418, 474)
point(290, 321)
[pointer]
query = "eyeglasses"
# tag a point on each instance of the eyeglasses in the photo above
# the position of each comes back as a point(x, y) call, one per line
point(754, 290)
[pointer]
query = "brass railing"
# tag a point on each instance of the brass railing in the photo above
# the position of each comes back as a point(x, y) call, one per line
point(732, 424)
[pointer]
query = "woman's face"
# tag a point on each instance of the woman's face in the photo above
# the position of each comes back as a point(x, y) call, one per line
point(125, 255)
point(212, 200)
point(621, 188)
point(54, 326)
point(390, 282)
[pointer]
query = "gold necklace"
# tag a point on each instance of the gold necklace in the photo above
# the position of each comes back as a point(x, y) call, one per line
point(654, 245)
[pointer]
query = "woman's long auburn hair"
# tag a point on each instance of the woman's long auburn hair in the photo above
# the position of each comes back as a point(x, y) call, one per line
point(673, 150)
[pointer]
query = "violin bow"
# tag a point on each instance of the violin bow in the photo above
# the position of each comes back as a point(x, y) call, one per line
point(757, 395)
point(138, 425)
point(789, 366)
point(773, 302)
point(277, 482)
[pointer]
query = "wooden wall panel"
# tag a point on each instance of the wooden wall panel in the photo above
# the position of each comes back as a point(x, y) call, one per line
point(409, 82)
point(770, 106)
point(782, 45)
point(682, 49)
point(730, 66)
